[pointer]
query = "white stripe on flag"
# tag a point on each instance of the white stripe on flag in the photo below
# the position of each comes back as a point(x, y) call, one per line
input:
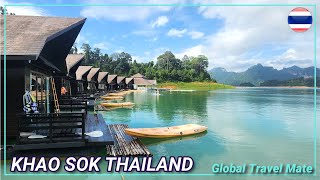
point(300, 13)
point(300, 25)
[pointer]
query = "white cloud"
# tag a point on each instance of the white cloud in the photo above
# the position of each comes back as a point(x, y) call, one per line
point(24, 10)
point(248, 32)
point(176, 32)
point(161, 21)
point(196, 34)
point(101, 45)
point(194, 51)
point(126, 13)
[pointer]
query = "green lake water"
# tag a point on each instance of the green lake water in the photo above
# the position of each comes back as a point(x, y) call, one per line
point(265, 126)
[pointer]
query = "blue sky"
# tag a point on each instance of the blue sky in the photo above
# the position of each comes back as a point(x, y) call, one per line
point(231, 37)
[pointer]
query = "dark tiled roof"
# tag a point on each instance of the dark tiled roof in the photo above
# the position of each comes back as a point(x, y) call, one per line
point(120, 79)
point(92, 73)
point(27, 35)
point(101, 76)
point(111, 77)
point(73, 59)
point(81, 71)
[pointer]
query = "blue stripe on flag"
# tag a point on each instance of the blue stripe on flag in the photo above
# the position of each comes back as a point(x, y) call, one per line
point(300, 19)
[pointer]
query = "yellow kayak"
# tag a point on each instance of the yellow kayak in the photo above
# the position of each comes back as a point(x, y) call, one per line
point(124, 104)
point(166, 132)
point(111, 97)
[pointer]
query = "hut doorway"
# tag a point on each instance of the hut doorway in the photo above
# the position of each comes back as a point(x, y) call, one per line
point(39, 88)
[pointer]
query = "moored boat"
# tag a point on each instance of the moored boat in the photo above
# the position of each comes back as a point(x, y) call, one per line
point(123, 104)
point(111, 97)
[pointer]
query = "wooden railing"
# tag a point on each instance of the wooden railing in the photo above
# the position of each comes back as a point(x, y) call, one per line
point(73, 104)
point(57, 127)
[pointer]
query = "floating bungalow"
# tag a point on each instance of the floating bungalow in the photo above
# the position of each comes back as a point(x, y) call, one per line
point(73, 62)
point(92, 79)
point(121, 81)
point(102, 81)
point(34, 68)
point(112, 82)
point(33, 57)
point(81, 78)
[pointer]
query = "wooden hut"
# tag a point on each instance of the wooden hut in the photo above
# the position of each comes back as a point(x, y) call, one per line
point(36, 49)
point(73, 62)
point(102, 81)
point(121, 81)
point(92, 79)
point(129, 83)
point(112, 82)
point(81, 78)
point(141, 83)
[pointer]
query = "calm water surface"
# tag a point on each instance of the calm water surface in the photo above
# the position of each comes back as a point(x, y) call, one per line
point(265, 126)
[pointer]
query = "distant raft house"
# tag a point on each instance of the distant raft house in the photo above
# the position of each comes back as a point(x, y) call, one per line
point(73, 62)
point(121, 81)
point(102, 81)
point(112, 82)
point(92, 79)
point(38, 65)
point(129, 83)
point(141, 83)
point(82, 78)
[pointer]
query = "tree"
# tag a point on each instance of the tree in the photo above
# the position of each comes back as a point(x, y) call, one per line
point(87, 53)
point(168, 61)
point(3, 10)
point(74, 49)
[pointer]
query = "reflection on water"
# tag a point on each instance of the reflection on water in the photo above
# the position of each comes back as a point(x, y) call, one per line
point(265, 126)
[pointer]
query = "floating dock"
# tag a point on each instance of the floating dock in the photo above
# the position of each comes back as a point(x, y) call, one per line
point(125, 145)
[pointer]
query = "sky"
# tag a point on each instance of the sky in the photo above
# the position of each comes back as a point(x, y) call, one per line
point(234, 38)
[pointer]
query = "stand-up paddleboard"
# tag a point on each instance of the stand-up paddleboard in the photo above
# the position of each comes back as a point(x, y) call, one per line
point(166, 132)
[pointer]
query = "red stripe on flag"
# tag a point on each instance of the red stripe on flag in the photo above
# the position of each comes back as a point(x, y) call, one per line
point(300, 29)
point(299, 9)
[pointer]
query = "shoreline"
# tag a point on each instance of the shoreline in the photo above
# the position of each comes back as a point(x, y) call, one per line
point(286, 87)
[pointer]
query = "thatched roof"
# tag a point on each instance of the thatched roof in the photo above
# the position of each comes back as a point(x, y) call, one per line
point(128, 80)
point(73, 59)
point(101, 76)
point(121, 79)
point(27, 35)
point(81, 71)
point(138, 75)
point(153, 82)
point(141, 81)
point(93, 72)
point(111, 78)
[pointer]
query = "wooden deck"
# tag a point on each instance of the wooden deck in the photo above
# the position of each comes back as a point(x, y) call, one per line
point(95, 122)
point(63, 131)
point(125, 145)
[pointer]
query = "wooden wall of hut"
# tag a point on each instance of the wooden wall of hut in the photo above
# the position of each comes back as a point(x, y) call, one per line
point(15, 88)
point(74, 87)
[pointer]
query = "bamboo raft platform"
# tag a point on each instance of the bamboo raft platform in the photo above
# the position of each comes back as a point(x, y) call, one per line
point(125, 145)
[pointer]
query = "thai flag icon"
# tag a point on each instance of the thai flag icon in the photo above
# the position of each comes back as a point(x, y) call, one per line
point(300, 19)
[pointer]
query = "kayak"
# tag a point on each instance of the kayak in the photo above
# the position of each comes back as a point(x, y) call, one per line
point(117, 104)
point(166, 132)
point(111, 97)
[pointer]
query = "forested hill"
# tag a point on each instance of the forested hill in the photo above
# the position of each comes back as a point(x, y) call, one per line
point(258, 74)
point(166, 68)
point(309, 82)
